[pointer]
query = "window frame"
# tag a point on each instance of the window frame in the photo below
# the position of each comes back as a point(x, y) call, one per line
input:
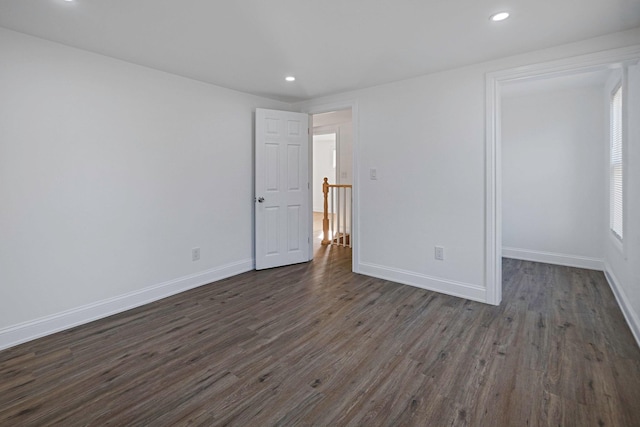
point(618, 88)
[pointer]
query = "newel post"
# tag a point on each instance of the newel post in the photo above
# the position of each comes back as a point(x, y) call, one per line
point(325, 219)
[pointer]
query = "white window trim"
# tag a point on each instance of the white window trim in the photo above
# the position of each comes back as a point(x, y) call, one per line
point(612, 86)
point(625, 161)
point(618, 87)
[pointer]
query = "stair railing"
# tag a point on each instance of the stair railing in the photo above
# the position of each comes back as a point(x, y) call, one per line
point(337, 231)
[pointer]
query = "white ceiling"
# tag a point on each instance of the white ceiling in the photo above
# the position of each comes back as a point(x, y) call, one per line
point(329, 45)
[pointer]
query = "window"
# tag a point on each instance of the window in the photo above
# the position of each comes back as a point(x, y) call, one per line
point(616, 183)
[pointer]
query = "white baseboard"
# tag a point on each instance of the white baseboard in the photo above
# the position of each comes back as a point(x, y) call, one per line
point(27, 331)
point(621, 297)
point(444, 286)
point(554, 258)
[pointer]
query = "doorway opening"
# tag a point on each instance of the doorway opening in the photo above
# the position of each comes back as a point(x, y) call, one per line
point(332, 158)
point(554, 177)
point(496, 82)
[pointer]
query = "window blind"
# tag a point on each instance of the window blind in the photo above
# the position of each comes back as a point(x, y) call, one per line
point(615, 166)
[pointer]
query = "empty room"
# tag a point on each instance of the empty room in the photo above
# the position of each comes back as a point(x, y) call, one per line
point(171, 254)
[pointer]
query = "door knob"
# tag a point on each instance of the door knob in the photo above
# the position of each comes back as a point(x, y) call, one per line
point(260, 199)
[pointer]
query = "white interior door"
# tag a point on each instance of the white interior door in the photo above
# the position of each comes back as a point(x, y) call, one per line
point(282, 188)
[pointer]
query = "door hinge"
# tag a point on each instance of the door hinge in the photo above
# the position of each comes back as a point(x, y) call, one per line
point(308, 186)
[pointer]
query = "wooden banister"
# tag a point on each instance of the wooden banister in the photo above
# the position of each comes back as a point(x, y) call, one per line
point(339, 236)
point(325, 218)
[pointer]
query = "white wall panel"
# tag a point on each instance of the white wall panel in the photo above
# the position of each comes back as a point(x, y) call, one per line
point(110, 173)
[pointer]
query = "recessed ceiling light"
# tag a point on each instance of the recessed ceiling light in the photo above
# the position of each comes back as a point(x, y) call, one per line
point(500, 16)
point(290, 79)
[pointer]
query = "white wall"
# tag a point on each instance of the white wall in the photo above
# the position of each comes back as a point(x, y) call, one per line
point(324, 147)
point(426, 138)
point(110, 174)
point(553, 176)
point(340, 123)
point(345, 154)
point(622, 262)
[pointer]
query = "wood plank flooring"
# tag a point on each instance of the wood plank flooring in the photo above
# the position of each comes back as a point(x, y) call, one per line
point(313, 344)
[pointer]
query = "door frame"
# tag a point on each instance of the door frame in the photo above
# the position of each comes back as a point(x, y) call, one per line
point(355, 227)
point(609, 59)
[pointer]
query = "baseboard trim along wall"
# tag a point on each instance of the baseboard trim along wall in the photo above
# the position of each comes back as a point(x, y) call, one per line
point(444, 286)
point(554, 258)
point(27, 331)
point(621, 297)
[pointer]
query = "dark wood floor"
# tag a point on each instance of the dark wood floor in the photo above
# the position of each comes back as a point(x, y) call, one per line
point(313, 344)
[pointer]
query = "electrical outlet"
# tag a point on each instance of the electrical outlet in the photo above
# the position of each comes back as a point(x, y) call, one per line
point(195, 254)
point(439, 253)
